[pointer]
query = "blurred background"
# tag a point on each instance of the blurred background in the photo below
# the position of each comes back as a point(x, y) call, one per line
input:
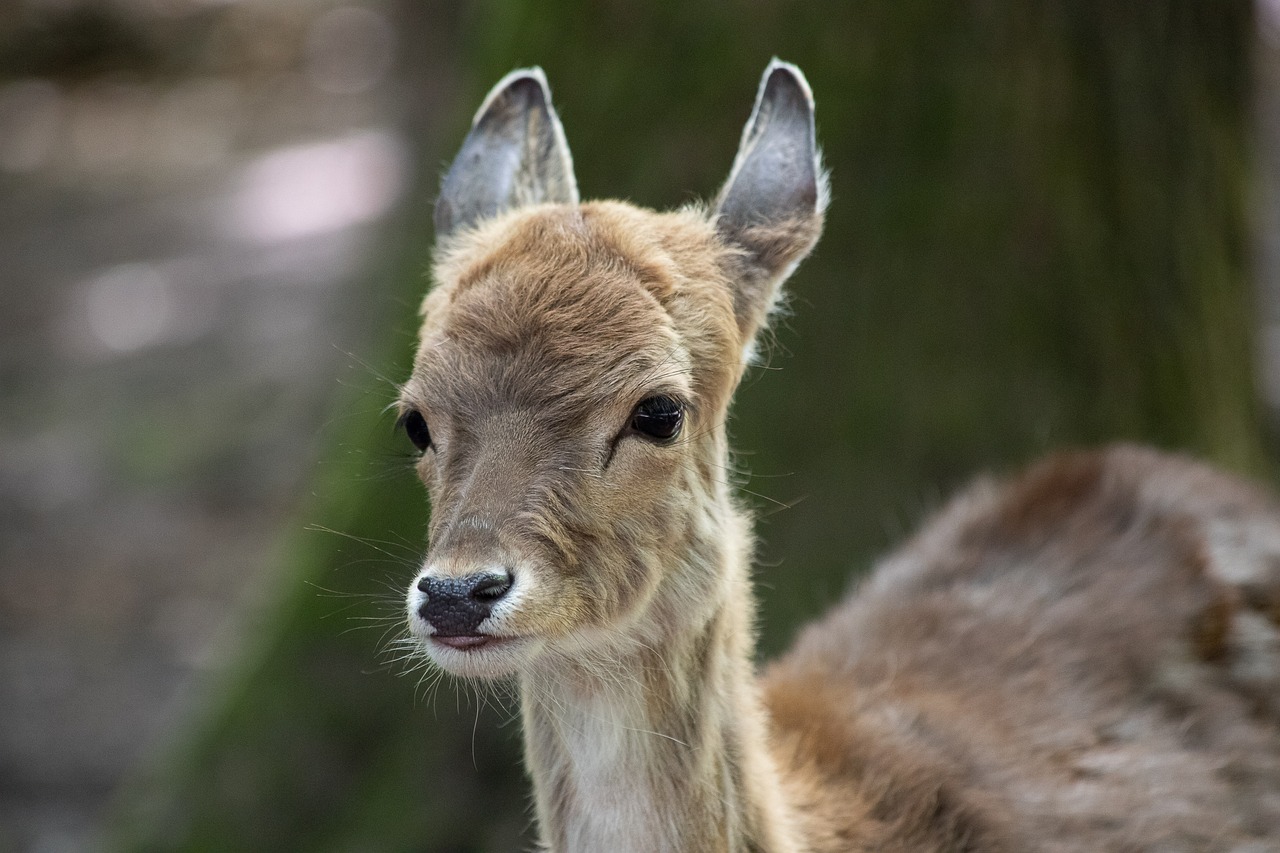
point(1053, 223)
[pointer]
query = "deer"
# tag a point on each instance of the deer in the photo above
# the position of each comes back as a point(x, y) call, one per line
point(1084, 656)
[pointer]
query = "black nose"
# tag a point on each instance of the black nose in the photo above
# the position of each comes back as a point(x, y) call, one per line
point(456, 606)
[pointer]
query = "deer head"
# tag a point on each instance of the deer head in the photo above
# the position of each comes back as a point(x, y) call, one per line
point(572, 381)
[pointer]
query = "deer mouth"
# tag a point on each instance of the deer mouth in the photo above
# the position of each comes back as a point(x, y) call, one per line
point(480, 655)
point(467, 642)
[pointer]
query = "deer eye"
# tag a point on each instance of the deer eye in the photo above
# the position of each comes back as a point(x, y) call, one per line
point(415, 426)
point(659, 418)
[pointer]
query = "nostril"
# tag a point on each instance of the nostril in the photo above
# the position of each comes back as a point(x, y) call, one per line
point(424, 584)
point(492, 587)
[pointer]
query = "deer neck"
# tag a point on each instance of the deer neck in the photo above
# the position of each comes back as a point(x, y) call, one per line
point(661, 744)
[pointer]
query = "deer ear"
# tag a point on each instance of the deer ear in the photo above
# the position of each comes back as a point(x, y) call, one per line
point(771, 207)
point(515, 155)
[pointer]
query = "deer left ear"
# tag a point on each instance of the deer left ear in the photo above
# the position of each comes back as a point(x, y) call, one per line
point(515, 155)
point(772, 205)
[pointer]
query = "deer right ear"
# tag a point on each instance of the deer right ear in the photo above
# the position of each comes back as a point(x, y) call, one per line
point(771, 207)
point(515, 155)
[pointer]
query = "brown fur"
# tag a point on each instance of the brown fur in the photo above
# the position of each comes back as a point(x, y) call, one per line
point(1083, 658)
point(1033, 667)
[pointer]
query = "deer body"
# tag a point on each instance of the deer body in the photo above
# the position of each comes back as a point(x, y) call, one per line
point(1083, 659)
point(1080, 659)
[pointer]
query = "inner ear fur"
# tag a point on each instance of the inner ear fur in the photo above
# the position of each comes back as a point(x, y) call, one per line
point(771, 207)
point(515, 155)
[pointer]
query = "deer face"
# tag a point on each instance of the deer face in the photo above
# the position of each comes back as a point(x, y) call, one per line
point(562, 424)
point(569, 393)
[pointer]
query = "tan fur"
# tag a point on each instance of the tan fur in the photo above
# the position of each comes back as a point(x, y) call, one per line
point(1084, 658)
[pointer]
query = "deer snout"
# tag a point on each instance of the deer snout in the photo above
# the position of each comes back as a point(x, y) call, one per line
point(455, 606)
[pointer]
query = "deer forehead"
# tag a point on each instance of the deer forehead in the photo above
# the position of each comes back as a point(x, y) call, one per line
point(593, 304)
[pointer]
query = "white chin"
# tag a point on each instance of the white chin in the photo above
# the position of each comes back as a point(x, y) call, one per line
point(497, 658)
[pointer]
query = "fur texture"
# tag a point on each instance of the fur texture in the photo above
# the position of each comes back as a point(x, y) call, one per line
point(1071, 661)
point(1084, 658)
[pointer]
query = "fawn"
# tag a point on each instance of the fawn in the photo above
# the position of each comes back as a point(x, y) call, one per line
point(1083, 658)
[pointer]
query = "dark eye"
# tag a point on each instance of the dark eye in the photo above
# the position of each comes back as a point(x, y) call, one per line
point(415, 426)
point(658, 418)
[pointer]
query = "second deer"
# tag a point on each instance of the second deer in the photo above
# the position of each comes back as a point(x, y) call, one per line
point(1082, 658)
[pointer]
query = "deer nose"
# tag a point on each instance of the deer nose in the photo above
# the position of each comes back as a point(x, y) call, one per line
point(456, 606)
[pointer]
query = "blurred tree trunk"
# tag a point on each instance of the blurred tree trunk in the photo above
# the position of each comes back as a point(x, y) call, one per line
point(1038, 238)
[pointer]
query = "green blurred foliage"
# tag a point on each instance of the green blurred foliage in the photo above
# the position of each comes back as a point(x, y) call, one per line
point(1037, 238)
